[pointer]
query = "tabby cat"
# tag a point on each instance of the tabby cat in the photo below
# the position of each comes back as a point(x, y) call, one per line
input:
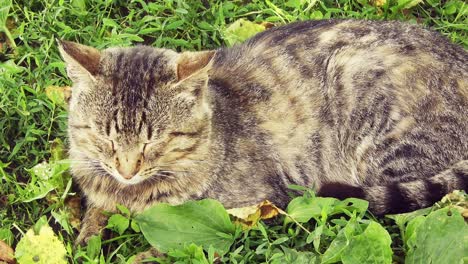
point(367, 109)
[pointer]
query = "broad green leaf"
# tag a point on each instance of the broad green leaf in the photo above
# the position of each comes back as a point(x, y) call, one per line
point(119, 223)
point(411, 228)
point(441, 238)
point(372, 246)
point(124, 210)
point(339, 244)
point(199, 222)
point(94, 247)
point(292, 256)
point(134, 226)
point(402, 219)
point(302, 209)
point(351, 204)
point(241, 30)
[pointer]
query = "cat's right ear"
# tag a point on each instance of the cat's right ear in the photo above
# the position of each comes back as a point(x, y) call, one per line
point(82, 61)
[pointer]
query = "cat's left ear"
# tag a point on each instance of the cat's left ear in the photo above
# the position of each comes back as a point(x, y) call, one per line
point(82, 61)
point(190, 63)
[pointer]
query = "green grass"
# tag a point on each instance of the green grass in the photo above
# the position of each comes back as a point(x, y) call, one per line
point(32, 122)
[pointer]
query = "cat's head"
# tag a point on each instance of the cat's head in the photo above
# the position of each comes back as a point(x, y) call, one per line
point(136, 113)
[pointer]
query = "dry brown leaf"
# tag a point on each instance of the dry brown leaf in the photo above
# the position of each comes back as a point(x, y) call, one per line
point(267, 25)
point(6, 253)
point(73, 204)
point(250, 215)
point(3, 200)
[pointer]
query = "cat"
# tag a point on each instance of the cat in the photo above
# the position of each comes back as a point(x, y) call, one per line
point(368, 109)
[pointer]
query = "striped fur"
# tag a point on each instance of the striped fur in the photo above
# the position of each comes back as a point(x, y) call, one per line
point(376, 110)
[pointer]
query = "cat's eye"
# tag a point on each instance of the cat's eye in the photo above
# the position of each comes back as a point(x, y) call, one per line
point(144, 149)
point(177, 133)
point(112, 146)
point(182, 133)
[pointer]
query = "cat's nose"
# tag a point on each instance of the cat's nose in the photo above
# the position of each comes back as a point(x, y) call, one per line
point(128, 165)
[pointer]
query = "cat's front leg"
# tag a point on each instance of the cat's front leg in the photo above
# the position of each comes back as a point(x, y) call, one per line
point(93, 223)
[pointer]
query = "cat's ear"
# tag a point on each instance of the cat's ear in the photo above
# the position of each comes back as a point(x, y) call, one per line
point(192, 75)
point(190, 63)
point(82, 61)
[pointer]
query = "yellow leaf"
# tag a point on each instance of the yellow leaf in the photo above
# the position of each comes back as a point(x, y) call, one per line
point(379, 3)
point(41, 248)
point(243, 29)
point(250, 215)
point(59, 95)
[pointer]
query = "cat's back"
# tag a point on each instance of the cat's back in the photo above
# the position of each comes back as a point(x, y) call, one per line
point(319, 88)
point(325, 55)
point(324, 37)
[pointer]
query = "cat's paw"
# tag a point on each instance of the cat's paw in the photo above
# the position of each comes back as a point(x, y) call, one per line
point(93, 224)
point(152, 253)
point(86, 233)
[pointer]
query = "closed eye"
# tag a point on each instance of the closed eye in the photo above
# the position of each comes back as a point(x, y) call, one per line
point(146, 145)
point(187, 134)
point(113, 146)
point(144, 148)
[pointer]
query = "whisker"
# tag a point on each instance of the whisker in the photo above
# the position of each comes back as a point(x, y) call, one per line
point(162, 169)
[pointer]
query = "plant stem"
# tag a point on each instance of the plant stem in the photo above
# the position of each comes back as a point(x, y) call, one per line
point(9, 37)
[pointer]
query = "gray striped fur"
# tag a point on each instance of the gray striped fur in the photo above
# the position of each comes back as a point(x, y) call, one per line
point(376, 110)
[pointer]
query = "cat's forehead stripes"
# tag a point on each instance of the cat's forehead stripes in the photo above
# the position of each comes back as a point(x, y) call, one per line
point(134, 76)
point(140, 69)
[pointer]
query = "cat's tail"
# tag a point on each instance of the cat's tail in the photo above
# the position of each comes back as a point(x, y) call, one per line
point(399, 197)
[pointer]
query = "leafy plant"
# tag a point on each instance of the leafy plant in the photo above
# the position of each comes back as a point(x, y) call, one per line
point(4, 9)
point(204, 223)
